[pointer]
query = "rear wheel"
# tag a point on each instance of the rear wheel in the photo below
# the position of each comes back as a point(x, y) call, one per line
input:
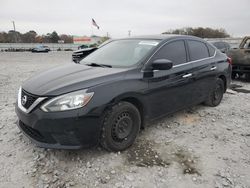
point(216, 94)
point(121, 125)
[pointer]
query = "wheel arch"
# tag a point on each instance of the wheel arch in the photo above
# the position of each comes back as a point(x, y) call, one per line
point(224, 79)
point(136, 100)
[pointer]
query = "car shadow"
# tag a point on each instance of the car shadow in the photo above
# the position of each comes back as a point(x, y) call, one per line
point(238, 88)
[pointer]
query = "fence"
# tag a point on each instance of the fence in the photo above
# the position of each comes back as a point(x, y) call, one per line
point(28, 46)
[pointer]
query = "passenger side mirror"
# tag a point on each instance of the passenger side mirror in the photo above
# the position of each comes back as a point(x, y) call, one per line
point(162, 64)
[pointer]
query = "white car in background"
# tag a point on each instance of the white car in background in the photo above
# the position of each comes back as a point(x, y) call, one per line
point(41, 48)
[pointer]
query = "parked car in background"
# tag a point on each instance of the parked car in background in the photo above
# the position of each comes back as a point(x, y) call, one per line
point(222, 46)
point(78, 55)
point(40, 48)
point(241, 59)
point(83, 46)
point(118, 88)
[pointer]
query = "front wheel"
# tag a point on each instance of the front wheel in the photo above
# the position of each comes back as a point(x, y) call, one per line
point(121, 126)
point(216, 95)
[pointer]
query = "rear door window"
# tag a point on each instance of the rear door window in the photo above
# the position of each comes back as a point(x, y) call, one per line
point(174, 51)
point(197, 50)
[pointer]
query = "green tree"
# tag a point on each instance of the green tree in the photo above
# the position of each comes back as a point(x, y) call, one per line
point(3, 37)
point(66, 38)
point(54, 37)
point(200, 32)
point(13, 36)
point(29, 37)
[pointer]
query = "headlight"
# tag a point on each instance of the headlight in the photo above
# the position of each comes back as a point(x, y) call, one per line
point(68, 101)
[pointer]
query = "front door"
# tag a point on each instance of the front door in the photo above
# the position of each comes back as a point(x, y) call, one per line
point(170, 90)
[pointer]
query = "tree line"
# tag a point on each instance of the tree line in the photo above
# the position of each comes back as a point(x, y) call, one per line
point(200, 32)
point(32, 37)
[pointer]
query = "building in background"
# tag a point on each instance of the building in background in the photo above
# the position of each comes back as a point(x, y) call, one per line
point(93, 40)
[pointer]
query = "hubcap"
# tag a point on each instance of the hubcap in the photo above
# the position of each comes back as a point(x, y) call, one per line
point(217, 93)
point(122, 127)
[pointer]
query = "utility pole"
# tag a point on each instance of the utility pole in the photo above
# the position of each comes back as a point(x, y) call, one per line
point(14, 31)
point(129, 33)
point(14, 26)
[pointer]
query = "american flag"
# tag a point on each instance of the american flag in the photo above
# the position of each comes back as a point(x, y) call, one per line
point(94, 23)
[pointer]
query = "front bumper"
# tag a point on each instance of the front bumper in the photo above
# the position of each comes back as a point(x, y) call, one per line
point(60, 130)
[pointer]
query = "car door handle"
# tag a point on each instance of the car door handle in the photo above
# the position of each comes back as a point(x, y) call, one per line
point(213, 68)
point(187, 75)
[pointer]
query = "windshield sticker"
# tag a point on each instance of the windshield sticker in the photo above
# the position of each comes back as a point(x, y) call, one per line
point(151, 43)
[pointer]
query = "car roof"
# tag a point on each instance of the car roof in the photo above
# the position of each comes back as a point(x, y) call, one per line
point(162, 37)
point(213, 42)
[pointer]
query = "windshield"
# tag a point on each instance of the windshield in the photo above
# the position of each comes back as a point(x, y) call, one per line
point(121, 53)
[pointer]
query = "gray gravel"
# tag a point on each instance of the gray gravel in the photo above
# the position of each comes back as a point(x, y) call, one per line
point(197, 147)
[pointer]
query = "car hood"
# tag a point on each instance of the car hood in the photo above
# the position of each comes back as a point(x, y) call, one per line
point(67, 78)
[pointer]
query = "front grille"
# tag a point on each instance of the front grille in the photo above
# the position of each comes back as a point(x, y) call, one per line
point(66, 139)
point(31, 132)
point(30, 99)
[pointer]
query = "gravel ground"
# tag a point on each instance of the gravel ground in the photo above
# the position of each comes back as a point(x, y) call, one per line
point(198, 147)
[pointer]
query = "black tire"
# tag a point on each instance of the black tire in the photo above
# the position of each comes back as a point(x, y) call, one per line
point(216, 95)
point(121, 125)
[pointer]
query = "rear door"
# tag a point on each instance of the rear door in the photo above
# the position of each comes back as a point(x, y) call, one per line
point(170, 90)
point(201, 55)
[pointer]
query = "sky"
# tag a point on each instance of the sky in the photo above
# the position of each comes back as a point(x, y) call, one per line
point(117, 17)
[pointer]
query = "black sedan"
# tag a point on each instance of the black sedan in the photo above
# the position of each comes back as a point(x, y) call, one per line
point(81, 53)
point(78, 55)
point(114, 91)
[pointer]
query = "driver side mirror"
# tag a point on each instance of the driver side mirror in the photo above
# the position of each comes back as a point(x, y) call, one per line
point(162, 64)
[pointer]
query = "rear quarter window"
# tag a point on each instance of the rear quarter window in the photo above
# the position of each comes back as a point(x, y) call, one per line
point(197, 50)
point(211, 50)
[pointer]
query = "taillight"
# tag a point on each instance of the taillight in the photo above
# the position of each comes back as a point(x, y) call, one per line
point(229, 60)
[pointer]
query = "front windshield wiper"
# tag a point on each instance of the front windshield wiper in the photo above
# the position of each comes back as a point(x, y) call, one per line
point(98, 65)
